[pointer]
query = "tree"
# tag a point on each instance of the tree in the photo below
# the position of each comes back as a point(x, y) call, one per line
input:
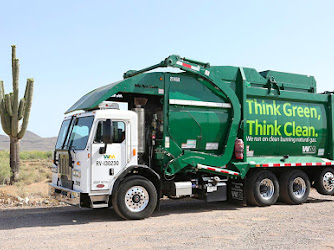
point(15, 115)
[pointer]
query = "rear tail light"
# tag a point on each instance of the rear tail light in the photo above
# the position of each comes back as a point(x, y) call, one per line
point(239, 149)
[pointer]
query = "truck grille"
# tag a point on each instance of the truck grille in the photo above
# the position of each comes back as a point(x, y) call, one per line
point(64, 168)
point(65, 171)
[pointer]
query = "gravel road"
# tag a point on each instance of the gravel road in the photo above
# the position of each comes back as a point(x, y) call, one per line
point(179, 224)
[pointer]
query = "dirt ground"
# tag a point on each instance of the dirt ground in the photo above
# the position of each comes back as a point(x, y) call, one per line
point(179, 224)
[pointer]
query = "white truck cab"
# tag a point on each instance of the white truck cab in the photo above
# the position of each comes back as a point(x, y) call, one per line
point(88, 163)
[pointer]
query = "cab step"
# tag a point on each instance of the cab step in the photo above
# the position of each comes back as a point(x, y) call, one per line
point(99, 205)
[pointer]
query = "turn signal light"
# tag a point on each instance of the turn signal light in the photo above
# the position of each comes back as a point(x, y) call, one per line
point(134, 152)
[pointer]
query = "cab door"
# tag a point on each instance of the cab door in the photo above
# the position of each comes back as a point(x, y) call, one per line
point(106, 165)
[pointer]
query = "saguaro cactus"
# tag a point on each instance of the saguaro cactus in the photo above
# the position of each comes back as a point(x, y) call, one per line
point(15, 115)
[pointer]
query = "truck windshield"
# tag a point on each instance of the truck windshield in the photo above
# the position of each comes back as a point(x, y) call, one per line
point(62, 134)
point(80, 133)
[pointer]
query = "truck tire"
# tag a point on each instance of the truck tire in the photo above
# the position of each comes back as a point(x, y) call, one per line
point(324, 182)
point(294, 187)
point(262, 188)
point(135, 199)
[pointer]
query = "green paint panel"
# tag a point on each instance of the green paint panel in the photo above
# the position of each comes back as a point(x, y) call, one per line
point(199, 129)
point(285, 127)
point(253, 161)
point(288, 81)
point(186, 87)
point(142, 84)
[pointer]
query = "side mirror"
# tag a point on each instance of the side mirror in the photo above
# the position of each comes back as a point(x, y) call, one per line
point(107, 135)
point(107, 132)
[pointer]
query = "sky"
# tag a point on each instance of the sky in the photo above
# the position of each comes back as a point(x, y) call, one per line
point(73, 47)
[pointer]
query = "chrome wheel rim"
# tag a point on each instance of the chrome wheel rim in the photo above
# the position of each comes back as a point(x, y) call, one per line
point(299, 187)
point(267, 189)
point(136, 198)
point(328, 181)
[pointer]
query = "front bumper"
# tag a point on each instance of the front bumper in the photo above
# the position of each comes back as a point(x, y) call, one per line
point(64, 194)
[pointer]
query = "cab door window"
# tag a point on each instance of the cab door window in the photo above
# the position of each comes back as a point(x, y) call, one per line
point(118, 132)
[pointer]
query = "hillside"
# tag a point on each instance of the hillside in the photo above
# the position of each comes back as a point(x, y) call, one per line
point(30, 142)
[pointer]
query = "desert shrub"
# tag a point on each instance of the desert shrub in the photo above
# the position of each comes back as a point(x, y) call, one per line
point(35, 171)
point(31, 171)
point(28, 176)
point(4, 167)
point(35, 155)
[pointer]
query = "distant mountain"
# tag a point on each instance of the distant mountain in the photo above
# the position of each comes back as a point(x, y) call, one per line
point(30, 142)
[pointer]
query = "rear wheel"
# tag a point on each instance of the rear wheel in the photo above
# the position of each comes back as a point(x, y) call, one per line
point(135, 199)
point(324, 182)
point(294, 187)
point(262, 188)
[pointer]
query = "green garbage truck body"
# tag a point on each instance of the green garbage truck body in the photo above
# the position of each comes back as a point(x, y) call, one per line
point(208, 132)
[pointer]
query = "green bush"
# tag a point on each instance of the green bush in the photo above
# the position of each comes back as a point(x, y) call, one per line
point(35, 155)
point(4, 167)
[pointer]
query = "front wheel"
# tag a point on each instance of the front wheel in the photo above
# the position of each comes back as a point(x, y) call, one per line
point(135, 199)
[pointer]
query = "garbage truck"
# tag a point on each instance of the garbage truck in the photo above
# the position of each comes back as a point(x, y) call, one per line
point(215, 133)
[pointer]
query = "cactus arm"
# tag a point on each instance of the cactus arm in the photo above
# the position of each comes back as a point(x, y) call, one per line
point(2, 90)
point(15, 106)
point(21, 109)
point(8, 102)
point(29, 90)
point(11, 98)
point(13, 57)
point(28, 101)
point(5, 122)
point(5, 118)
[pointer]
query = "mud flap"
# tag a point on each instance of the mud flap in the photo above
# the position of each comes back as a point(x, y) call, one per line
point(237, 191)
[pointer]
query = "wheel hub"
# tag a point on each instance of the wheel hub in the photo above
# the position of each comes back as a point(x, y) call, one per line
point(136, 198)
point(267, 189)
point(299, 187)
point(328, 181)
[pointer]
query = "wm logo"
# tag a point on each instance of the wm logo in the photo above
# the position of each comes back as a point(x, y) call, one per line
point(109, 156)
point(309, 149)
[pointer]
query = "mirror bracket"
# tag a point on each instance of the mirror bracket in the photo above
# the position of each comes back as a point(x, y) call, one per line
point(103, 150)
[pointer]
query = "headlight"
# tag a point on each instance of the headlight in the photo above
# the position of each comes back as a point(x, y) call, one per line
point(76, 173)
point(54, 169)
